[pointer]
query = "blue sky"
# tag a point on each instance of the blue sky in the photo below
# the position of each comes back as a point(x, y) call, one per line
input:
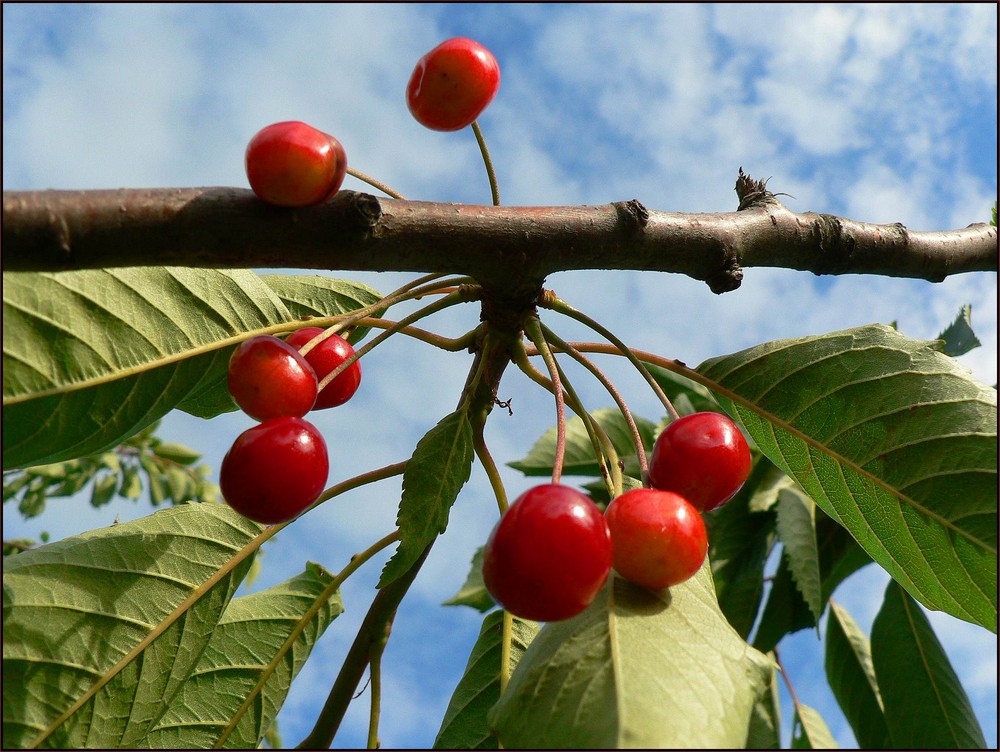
point(881, 113)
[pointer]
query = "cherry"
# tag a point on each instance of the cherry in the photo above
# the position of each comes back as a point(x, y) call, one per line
point(452, 84)
point(293, 164)
point(269, 379)
point(325, 357)
point(658, 538)
point(549, 555)
point(703, 457)
point(275, 470)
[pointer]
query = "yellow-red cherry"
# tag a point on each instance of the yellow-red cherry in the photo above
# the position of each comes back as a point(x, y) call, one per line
point(452, 84)
point(293, 164)
point(324, 358)
point(549, 555)
point(658, 539)
point(275, 470)
point(268, 378)
point(703, 457)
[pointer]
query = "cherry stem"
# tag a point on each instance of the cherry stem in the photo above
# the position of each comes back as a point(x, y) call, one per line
point(490, 172)
point(534, 332)
point(556, 304)
point(444, 343)
point(599, 439)
point(445, 302)
point(413, 290)
point(587, 363)
point(375, 183)
point(328, 592)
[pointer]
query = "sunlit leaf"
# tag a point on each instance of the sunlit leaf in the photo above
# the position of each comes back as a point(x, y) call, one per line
point(250, 636)
point(891, 438)
point(313, 295)
point(464, 725)
point(77, 670)
point(636, 669)
point(809, 730)
point(91, 357)
point(765, 720)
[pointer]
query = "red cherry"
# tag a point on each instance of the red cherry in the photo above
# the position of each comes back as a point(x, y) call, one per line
point(325, 357)
point(269, 379)
point(293, 164)
point(452, 84)
point(703, 457)
point(275, 470)
point(549, 555)
point(657, 537)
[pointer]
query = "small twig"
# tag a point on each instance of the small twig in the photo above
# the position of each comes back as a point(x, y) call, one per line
point(490, 172)
point(375, 183)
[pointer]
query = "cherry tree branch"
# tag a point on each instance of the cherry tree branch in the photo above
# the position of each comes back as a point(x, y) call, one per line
point(503, 247)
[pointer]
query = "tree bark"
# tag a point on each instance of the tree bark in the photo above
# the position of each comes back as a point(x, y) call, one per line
point(503, 247)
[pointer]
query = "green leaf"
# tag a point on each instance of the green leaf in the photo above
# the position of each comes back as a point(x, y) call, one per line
point(925, 704)
point(249, 641)
point(636, 669)
point(851, 677)
point(786, 611)
point(91, 357)
point(104, 490)
point(311, 295)
point(893, 439)
point(740, 540)
point(441, 464)
point(765, 720)
point(797, 530)
point(580, 459)
point(178, 453)
point(959, 338)
point(473, 593)
point(77, 612)
point(694, 396)
point(305, 296)
point(809, 730)
point(464, 725)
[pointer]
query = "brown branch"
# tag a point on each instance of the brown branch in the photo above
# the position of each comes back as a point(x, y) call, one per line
point(501, 246)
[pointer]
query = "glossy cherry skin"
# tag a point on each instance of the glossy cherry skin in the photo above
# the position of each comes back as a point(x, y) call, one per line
point(293, 164)
point(325, 357)
point(703, 457)
point(658, 538)
point(452, 84)
point(275, 470)
point(549, 555)
point(269, 379)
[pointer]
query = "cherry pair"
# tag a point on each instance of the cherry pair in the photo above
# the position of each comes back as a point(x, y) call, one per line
point(553, 549)
point(278, 468)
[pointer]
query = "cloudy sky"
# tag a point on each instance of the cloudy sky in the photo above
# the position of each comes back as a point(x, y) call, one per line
point(879, 113)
